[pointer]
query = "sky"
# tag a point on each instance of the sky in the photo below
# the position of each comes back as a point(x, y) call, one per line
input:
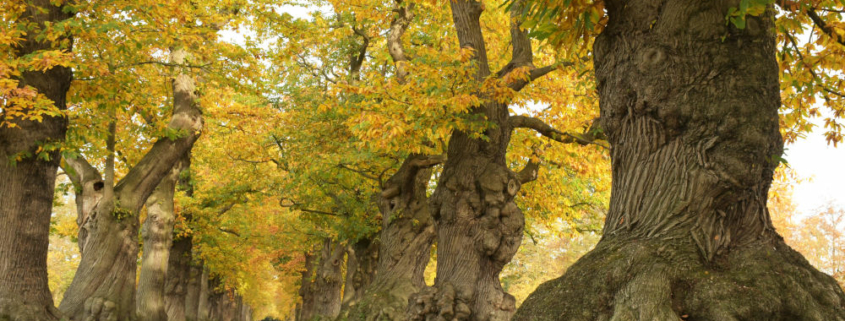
point(823, 168)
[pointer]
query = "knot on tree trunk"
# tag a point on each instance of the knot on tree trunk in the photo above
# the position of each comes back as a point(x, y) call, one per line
point(100, 309)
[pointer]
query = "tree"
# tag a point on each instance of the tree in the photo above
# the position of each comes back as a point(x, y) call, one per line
point(689, 103)
point(34, 80)
point(479, 226)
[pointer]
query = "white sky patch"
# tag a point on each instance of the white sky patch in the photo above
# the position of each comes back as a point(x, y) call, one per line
point(823, 165)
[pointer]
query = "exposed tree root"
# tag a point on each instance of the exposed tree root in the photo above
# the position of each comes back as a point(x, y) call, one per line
point(627, 280)
point(12, 309)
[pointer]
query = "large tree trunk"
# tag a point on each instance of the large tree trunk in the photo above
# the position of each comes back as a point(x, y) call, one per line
point(321, 283)
point(104, 285)
point(157, 235)
point(406, 237)
point(26, 188)
point(479, 226)
point(178, 276)
point(690, 106)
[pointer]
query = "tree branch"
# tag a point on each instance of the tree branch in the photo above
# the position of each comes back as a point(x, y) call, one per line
point(403, 14)
point(824, 27)
point(224, 230)
point(133, 190)
point(529, 172)
point(554, 134)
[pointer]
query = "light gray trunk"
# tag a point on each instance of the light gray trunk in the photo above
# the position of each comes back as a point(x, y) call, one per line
point(26, 188)
point(157, 236)
point(690, 107)
point(103, 287)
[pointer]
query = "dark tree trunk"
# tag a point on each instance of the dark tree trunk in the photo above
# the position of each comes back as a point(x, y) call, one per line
point(361, 262)
point(321, 283)
point(406, 238)
point(157, 235)
point(104, 285)
point(193, 291)
point(203, 306)
point(178, 276)
point(690, 106)
point(26, 188)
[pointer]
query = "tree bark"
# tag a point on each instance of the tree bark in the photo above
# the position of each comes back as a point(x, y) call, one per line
point(203, 303)
point(88, 184)
point(321, 283)
point(406, 238)
point(104, 285)
point(361, 262)
point(479, 227)
point(26, 188)
point(178, 276)
point(194, 290)
point(690, 106)
point(157, 235)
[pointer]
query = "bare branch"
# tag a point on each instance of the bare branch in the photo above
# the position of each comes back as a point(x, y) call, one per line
point(402, 18)
point(554, 134)
point(824, 27)
point(363, 173)
point(224, 230)
point(356, 61)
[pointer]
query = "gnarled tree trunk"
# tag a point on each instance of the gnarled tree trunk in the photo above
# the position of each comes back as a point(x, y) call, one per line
point(479, 227)
point(406, 237)
point(104, 285)
point(26, 188)
point(321, 283)
point(157, 235)
point(690, 106)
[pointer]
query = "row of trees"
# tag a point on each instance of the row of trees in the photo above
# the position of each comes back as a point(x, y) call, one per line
point(335, 150)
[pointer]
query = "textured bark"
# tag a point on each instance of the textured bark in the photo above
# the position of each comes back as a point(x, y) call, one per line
point(361, 262)
point(321, 283)
point(157, 235)
point(222, 307)
point(194, 290)
point(26, 188)
point(104, 285)
point(406, 238)
point(178, 276)
point(88, 184)
point(479, 227)
point(203, 303)
point(690, 106)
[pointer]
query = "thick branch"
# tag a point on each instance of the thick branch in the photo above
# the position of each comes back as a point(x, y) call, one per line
point(824, 27)
point(80, 171)
point(356, 61)
point(529, 172)
point(534, 74)
point(554, 134)
point(142, 179)
point(402, 18)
